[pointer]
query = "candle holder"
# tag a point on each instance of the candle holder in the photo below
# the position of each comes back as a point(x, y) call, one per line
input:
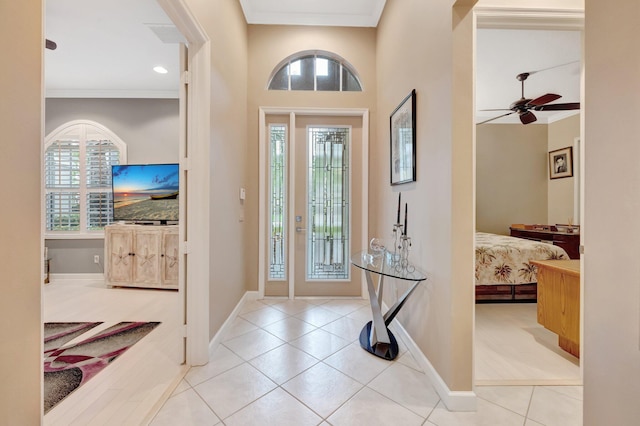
point(401, 246)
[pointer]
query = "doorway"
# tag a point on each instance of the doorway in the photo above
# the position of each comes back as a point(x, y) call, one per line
point(313, 197)
point(193, 305)
point(491, 365)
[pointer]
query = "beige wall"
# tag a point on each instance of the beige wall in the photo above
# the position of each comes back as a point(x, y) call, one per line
point(225, 25)
point(512, 176)
point(561, 191)
point(414, 52)
point(611, 232)
point(268, 46)
point(20, 227)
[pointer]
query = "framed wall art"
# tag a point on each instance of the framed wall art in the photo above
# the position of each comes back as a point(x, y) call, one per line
point(561, 163)
point(403, 141)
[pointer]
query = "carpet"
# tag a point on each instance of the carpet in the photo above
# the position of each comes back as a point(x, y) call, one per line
point(68, 368)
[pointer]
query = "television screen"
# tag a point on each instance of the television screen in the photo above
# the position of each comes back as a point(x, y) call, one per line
point(145, 192)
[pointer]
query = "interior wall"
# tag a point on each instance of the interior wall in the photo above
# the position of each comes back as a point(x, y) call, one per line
point(611, 233)
point(20, 227)
point(561, 191)
point(268, 46)
point(149, 127)
point(512, 176)
point(414, 52)
point(224, 23)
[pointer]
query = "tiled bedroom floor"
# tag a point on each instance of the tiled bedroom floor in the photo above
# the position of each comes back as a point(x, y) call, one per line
point(298, 362)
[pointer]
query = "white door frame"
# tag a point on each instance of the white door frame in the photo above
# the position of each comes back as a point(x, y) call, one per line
point(195, 163)
point(263, 176)
point(525, 18)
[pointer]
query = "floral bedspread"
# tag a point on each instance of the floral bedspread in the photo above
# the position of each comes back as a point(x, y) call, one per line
point(501, 259)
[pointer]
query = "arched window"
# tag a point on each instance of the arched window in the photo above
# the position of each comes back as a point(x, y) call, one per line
point(315, 70)
point(77, 177)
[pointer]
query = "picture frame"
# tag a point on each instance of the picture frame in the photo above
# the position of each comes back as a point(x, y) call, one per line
point(402, 125)
point(561, 163)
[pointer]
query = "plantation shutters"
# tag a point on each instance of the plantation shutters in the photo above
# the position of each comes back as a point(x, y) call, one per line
point(78, 160)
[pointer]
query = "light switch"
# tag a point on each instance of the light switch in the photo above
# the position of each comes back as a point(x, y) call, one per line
point(243, 194)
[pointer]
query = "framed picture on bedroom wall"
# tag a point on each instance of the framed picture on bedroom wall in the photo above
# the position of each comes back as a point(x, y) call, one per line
point(561, 163)
point(403, 141)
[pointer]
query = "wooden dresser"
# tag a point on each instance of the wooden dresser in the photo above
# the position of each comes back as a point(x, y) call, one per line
point(559, 301)
point(569, 241)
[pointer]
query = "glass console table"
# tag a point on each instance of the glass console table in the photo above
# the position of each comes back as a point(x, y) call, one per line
point(376, 337)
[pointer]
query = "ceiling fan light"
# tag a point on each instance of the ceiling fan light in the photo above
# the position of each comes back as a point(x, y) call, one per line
point(160, 69)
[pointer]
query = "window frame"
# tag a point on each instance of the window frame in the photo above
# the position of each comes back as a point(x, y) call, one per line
point(322, 54)
point(84, 130)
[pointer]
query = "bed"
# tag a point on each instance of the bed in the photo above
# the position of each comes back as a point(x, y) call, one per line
point(503, 272)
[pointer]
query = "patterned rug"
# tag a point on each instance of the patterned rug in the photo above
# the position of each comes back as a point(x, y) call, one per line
point(68, 368)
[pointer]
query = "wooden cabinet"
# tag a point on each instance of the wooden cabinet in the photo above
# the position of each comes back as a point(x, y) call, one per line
point(141, 256)
point(559, 301)
point(569, 241)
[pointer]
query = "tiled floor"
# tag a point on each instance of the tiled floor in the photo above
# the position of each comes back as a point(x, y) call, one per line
point(299, 363)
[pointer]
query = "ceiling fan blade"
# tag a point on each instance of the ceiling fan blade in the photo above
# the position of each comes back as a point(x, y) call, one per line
point(495, 118)
point(495, 109)
point(558, 107)
point(544, 99)
point(527, 117)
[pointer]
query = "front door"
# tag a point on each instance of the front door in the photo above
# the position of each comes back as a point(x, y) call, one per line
point(319, 206)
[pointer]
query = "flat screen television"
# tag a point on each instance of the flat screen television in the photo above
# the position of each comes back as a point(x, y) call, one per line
point(145, 193)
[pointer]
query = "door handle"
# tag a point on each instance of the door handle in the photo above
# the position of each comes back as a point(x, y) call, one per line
point(300, 229)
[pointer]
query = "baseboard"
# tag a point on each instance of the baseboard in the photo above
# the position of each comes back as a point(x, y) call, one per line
point(217, 338)
point(58, 278)
point(454, 400)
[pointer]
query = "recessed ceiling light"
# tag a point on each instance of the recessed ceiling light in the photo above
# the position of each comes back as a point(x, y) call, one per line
point(160, 69)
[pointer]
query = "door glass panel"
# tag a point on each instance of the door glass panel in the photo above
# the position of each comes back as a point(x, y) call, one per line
point(328, 204)
point(277, 202)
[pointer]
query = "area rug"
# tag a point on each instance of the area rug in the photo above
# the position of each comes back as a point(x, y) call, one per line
point(68, 368)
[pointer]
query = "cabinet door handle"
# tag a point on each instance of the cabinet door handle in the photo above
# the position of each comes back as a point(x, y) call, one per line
point(132, 254)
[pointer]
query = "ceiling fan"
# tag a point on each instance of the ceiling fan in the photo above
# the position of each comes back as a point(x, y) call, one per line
point(524, 106)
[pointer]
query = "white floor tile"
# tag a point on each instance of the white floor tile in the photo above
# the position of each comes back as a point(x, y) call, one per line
point(221, 360)
point(368, 408)
point(322, 388)
point(186, 408)
point(407, 387)
point(357, 363)
point(233, 390)
point(292, 307)
point(488, 414)
point(320, 343)
point(552, 408)
point(265, 316)
point(275, 408)
point(345, 327)
point(182, 386)
point(289, 328)
point(362, 315)
point(343, 307)
point(238, 327)
point(575, 392)
point(318, 316)
point(514, 398)
point(408, 360)
point(253, 344)
point(283, 363)
point(251, 305)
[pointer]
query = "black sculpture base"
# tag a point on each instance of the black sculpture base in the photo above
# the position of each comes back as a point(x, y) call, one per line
point(382, 350)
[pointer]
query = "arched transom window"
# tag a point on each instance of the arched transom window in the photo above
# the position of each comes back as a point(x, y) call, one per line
point(318, 71)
